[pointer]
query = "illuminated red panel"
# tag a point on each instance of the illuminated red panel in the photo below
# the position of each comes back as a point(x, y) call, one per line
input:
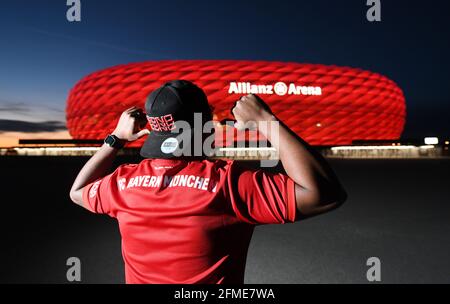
point(326, 105)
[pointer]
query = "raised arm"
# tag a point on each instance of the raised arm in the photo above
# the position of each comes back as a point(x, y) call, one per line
point(100, 163)
point(317, 188)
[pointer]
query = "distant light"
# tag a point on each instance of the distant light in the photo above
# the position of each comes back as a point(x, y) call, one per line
point(447, 142)
point(318, 124)
point(227, 149)
point(393, 147)
point(426, 147)
point(431, 140)
point(58, 149)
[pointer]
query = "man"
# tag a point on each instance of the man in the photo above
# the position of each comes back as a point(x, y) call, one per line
point(187, 219)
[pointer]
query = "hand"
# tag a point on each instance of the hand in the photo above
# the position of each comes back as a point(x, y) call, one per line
point(249, 111)
point(131, 125)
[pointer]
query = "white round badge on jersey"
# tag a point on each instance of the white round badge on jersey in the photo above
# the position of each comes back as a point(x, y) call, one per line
point(169, 145)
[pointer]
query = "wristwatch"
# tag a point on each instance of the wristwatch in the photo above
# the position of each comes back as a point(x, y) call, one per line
point(114, 142)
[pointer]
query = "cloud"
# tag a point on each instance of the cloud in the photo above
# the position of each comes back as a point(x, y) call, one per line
point(22, 111)
point(9, 125)
point(100, 44)
point(14, 108)
point(22, 107)
point(53, 109)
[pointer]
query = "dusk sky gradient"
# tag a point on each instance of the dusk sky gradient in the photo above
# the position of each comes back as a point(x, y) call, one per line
point(42, 55)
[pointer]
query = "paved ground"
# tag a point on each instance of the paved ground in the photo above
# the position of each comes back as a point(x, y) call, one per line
point(398, 211)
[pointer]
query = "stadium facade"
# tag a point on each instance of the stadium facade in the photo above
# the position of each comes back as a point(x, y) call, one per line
point(326, 105)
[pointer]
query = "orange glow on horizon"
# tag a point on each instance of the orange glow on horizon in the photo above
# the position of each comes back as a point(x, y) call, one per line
point(11, 139)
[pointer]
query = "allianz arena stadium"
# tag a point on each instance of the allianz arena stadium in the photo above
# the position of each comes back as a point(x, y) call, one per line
point(325, 105)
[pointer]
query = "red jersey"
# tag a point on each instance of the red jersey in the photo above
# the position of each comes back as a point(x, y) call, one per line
point(186, 222)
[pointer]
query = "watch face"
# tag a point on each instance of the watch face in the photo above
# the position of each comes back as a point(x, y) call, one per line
point(114, 142)
point(109, 140)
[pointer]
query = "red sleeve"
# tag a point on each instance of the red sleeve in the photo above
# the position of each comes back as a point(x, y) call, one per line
point(260, 197)
point(97, 196)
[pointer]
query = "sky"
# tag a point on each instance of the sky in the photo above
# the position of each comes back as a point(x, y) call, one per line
point(42, 55)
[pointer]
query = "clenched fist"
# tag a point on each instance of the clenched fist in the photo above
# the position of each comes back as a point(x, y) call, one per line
point(131, 125)
point(249, 111)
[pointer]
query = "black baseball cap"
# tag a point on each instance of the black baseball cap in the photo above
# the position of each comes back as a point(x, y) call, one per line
point(170, 111)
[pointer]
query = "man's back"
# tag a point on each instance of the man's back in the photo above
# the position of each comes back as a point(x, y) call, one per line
point(185, 221)
point(189, 221)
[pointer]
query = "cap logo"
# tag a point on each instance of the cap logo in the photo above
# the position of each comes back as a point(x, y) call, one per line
point(161, 123)
point(169, 145)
